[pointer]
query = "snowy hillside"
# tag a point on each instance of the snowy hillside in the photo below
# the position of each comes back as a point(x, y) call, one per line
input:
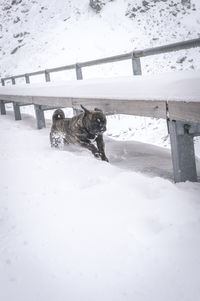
point(73, 227)
point(42, 34)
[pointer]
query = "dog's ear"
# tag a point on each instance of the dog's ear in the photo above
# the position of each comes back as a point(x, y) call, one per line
point(85, 110)
point(98, 110)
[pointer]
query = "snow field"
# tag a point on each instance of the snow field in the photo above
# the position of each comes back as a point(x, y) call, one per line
point(64, 32)
point(73, 227)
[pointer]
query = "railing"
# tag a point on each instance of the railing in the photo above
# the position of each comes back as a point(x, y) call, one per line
point(134, 56)
point(183, 118)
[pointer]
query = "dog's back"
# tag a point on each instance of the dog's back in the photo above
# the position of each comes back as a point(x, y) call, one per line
point(64, 127)
point(60, 123)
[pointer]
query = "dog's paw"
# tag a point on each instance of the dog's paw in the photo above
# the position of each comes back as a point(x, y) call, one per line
point(97, 155)
point(57, 140)
point(104, 158)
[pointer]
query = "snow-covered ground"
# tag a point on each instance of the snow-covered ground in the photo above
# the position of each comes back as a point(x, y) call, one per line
point(76, 228)
point(40, 34)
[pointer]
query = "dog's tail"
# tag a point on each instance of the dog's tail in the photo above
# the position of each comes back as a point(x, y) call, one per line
point(58, 115)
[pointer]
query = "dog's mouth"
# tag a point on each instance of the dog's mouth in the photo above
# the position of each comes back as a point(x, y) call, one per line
point(97, 130)
point(100, 130)
point(103, 129)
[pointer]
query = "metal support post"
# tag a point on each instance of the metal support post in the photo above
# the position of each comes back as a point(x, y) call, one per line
point(27, 79)
point(3, 108)
point(182, 150)
point(136, 65)
point(47, 76)
point(3, 82)
point(40, 117)
point(13, 81)
point(17, 112)
point(79, 74)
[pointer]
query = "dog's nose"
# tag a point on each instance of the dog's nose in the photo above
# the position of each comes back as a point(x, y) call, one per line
point(103, 129)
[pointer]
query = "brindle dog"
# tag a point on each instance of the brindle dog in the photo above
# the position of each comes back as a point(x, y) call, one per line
point(84, 129)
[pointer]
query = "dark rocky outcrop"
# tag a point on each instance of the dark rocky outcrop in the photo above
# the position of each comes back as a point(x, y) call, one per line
point(97, 5)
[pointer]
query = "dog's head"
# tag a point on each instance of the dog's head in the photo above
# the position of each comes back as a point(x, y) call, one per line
point(94, 121)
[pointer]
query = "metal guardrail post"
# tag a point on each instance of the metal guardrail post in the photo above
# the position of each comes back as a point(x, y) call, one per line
point(2, 107)
point(16, 106)
point(27, 79)
point(182, 150)
point(79, 74)
point(47, 76)
point(136, 65)
point(13, 81)
point(17, 112)
point(40, 117)
point(3, 82)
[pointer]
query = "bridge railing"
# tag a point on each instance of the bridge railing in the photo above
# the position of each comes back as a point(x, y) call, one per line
point(134, 56)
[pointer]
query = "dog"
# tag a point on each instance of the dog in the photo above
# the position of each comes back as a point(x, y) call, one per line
point(85, 129)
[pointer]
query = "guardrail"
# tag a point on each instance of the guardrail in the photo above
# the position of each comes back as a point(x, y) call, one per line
point(183, 118)
point(134, 56)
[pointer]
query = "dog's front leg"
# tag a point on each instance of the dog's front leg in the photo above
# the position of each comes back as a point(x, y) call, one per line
point(90, 147)
point(101, 147)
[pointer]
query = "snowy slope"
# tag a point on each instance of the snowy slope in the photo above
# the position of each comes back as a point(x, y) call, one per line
point(75, 228)
point(42, 34)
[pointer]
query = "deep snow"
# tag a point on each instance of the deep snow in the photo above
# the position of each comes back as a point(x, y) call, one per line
point(73, 227)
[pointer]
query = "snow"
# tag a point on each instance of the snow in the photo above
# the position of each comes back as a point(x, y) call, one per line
point(63, 32)
point(176, 86)
point(74, 227)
